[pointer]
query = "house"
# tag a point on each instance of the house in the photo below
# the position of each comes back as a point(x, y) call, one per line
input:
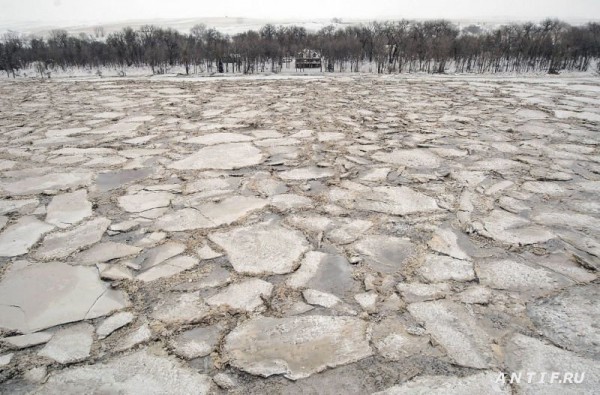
point(308, 59)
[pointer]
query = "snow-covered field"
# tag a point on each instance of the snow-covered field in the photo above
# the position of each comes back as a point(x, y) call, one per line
point(367, 69)
point(233, 25)
point(224, 25)
point(322, 234)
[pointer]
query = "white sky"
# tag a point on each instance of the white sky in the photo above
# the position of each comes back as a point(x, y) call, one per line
point(54, 11)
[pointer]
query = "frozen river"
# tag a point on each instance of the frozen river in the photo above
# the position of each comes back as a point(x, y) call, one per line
point(347, 234)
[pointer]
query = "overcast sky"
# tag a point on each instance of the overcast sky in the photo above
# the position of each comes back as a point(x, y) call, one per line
point(54, 11)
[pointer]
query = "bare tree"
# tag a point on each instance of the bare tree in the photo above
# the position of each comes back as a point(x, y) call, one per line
point(99, 31)
point(198, 30)
point(12, 53)
point(431, 46)
point(40, 68)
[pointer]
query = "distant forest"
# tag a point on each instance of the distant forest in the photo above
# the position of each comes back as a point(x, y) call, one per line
point(388, 47)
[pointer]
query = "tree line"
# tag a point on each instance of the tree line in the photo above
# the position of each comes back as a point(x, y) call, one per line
point(385, 47)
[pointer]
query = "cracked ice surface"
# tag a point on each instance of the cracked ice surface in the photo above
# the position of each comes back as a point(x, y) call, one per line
point(341, 234)
point(43, 295)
